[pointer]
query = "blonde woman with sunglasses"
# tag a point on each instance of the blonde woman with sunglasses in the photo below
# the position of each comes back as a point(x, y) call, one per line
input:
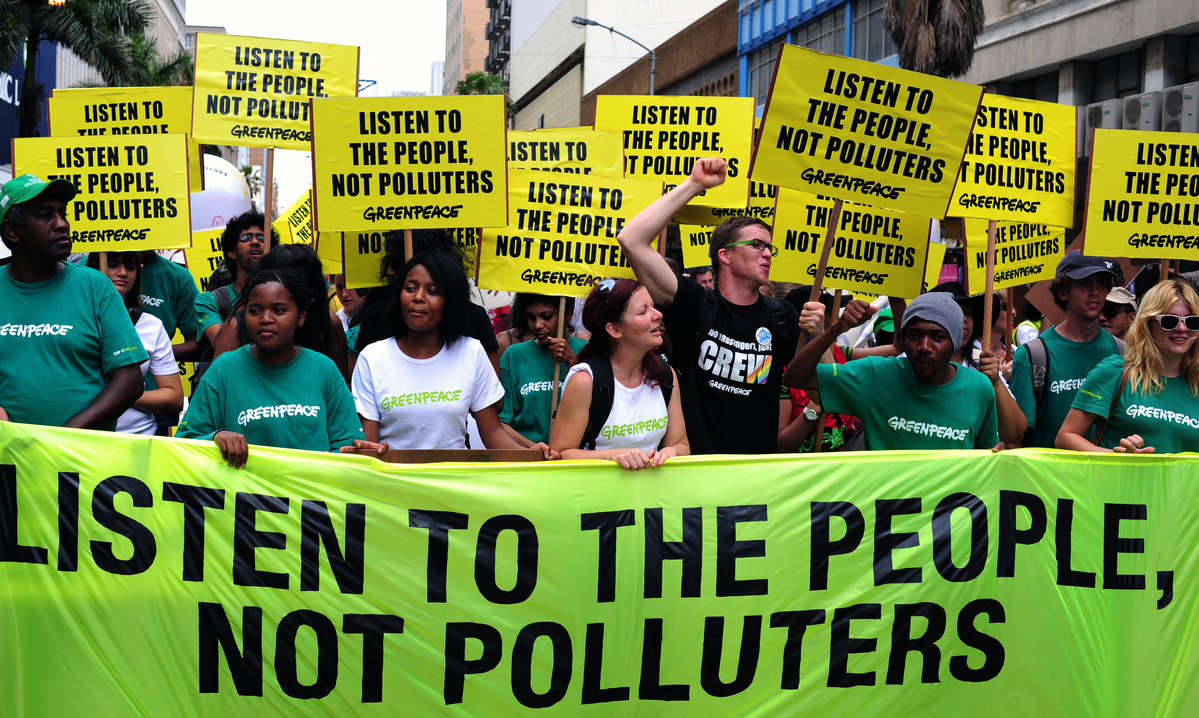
point(1144, 401)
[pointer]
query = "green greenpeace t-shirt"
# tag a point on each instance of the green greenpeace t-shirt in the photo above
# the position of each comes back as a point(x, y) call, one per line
point(207, 313)
point(527, 371)
point(901, 413)
point(59, 340)
point(1166, 421)
point(303, 404)
point(169, 293)
point(1069, 364)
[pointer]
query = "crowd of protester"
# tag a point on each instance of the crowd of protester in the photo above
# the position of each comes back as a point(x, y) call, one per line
point(666, 365)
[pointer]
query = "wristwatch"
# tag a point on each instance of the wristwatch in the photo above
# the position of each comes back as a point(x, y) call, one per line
point(809, 413)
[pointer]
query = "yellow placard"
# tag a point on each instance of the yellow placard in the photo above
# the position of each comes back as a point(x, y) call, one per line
point(295, 224)
point(579, 150)
point(875, 251)
point(133, 191)
point(364, 255)
point(1019, 163)
point(254, 92)
point(1143, 195)
point(562, 238)
point(663, 136)
point(695, 239)
point(407, 162)
point(932, 268)
point(204, 255)
point(128, 111)
point(864, 132)
point(760, 206)
point(1024, 253)
point(328, 249)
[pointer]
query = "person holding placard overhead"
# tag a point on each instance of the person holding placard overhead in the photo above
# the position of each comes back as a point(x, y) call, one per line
point(70, 353)
point(918, 401)
point(1063, 355)
point(731, 343)
point(1145, 400)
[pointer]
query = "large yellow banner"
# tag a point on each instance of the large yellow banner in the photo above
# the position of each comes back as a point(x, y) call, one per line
point(133, 191)
point(864, 132)
point(562, 237)
point(759, 206)
point(1024, 253)
point(1143, 195)
point(1019, 163)
point(254, 91)
point(577, 150)
point(364, 252)
point(128, 111)
point(663, 136)
point(875, 251)
point(408, 162)
point(162, 582)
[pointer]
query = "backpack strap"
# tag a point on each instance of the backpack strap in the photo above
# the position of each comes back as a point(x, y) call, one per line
point(705, 319)
point(134, 315)
point(603, 386)
point(667, 384)
point(224, 302)
point(1120, 345)
point(1038, 359)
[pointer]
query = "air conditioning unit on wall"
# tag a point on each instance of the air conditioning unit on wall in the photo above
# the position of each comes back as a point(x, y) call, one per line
point(1143, 111)
point(1106, 115)
point(1180, 108)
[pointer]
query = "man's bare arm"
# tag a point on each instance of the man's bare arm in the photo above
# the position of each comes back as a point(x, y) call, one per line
point(124, 387)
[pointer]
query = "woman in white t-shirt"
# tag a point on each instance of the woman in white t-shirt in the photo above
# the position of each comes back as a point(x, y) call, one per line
point(626, 331)
point(124, 270)
point(415, 389)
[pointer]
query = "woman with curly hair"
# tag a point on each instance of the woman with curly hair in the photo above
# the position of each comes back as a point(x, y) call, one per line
point(1144, 401)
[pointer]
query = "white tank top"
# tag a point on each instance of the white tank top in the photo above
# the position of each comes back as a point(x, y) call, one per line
point(638, 417)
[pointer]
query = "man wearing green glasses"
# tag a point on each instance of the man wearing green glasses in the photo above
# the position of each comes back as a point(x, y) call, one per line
point(731, 344)
point(243, 243)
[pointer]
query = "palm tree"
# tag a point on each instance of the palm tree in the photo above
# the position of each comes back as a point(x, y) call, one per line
point(152, 70)
point(935, 37)
point(96, 30)
point(481, 83)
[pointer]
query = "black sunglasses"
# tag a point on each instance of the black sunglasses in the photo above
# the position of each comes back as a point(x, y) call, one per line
point(251, 236)
point(1113, 310)
point(1169, 322)
point(605, 285)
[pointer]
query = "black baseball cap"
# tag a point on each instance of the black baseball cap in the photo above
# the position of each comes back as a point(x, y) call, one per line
point(1077, 265)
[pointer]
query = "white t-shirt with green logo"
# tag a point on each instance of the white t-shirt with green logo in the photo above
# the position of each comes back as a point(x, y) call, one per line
point(423, 403)
point(638, 417)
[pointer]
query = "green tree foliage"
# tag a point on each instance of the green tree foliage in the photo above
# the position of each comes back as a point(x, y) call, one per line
point(481, 83)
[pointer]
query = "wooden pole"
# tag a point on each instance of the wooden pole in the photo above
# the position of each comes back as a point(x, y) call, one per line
point(268, 196)
point(989, 297)
point(662, 243)
point(558, 364)
point(816, 445)
point(407, 245)
point(104, 263)
point(830, 236)
point(1009, 320)
point(1165, 271)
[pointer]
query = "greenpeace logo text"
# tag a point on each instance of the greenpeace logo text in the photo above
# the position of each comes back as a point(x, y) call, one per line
point(921, 428)
point(277, 412)
point(34, 330)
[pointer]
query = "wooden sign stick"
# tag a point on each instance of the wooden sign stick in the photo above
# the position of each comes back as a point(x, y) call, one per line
point(268, 193)
point(816, 445)
point(989, 297)
point(1009, 320)
point(407, 245)
point(830, 236)
point(558, 364)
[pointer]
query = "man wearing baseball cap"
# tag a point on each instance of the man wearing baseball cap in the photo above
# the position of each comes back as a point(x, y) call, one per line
point(70, 351)
point(1071, 349)
point(918, 401)
point(1118, 312)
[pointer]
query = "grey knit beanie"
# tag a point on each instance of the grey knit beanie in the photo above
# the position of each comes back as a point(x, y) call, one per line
point(938, 308)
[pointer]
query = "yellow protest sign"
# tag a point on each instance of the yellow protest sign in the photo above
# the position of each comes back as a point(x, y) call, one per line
point(204, 255)
point(1024, 253)
point(760, 206)
point(165, 583)
point(695, 239)
point(875, 251)
point(328, 249)
point(864, 132)
point(407, 162)
point(133, 191)
point(364, 252)
point(1019, 163)
point(1143, 195)
point(295, 224)
point(580, 150)
point(254, 92)
point(932, 272)
point(663, 136)
point(562, 239)
point(128, 111)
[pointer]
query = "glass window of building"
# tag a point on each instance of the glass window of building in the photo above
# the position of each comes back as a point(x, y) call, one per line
point(826, 33)
point(761, 70)
point(1041, 87)
point(871, 41)
point(1193, 58)
point(1117, 76)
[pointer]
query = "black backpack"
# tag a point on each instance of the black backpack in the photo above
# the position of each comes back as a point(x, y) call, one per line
point(224, 307)
point(603, 388)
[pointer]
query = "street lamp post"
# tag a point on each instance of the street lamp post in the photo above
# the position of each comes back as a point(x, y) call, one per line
point(653, 56)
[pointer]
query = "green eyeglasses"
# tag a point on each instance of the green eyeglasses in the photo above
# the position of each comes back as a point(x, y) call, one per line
point(758, 246)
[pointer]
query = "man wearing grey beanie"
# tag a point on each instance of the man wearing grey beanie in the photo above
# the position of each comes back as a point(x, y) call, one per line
point(918, 401)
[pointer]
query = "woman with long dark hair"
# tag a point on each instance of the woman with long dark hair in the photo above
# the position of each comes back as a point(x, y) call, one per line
point(273, 392)
point(643, 427)
point(415, 389)
point(1145, 398)
point(166, 396)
